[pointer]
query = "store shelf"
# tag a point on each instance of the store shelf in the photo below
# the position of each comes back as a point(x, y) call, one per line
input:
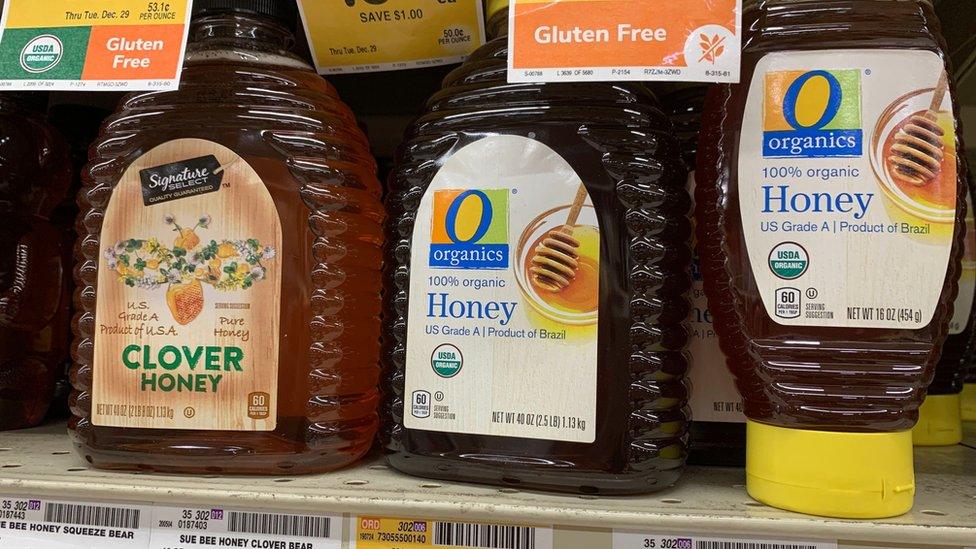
point(40, 463)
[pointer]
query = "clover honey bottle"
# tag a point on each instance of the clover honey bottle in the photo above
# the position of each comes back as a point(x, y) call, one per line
point(35, 175)
point(229, 265)
point(830, 224)
point(540, 260)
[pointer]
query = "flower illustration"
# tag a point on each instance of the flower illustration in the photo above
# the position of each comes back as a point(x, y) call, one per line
point(226, 265)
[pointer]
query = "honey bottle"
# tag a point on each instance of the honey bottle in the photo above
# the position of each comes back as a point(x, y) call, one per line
point(941, 414)
point(540, 259)
point(718, 431)
point(35, 174)
point(229, 265)
point(830, 228)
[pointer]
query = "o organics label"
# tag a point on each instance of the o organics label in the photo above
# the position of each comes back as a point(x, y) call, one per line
point(600, 40)
point(348, 36)
point(101, 45)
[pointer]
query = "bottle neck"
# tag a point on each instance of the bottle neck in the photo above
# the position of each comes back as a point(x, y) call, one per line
point(239, 30)
point(498, 24)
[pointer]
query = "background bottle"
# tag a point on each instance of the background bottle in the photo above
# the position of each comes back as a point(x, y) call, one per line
point(606, 151)
point(236, 221)
point(718, 431)
point(35, 174)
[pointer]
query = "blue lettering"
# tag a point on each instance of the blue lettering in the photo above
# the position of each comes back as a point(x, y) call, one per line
point(779, 199)
point(440, 305)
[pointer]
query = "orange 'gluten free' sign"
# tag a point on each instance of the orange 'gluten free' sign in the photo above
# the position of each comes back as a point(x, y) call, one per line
point(577, 40)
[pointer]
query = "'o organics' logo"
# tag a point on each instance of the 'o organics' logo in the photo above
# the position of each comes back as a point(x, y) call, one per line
point(812, 114)
point(470, 229)
point(41, 54)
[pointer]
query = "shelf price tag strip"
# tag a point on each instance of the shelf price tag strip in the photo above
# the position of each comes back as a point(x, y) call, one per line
point(190, 527)
point(635, 540)
point(399, 533)
point(52, 524)
point(368, 36)
point(104, 45)
point(624, 40)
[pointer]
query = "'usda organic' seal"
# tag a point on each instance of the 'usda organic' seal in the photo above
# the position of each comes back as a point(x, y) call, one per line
point(41, 54)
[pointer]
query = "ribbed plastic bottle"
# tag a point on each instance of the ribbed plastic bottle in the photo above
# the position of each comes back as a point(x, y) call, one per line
point(539, 268)
point(35, 253)
point(718, 431)
point(229, 266)
point(830, 228)
point(940, 416)
point(968, 396)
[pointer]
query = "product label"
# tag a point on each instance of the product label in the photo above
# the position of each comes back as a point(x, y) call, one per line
point(189, 527)
point(36, 523)
point(847, 186)
point(382, 35)
point(189, 291)
point(714, 396)
point(634, 540)
point(397, 533)
point(107, 45)
point(504, 296)
point(963, 306)
point(601, 40)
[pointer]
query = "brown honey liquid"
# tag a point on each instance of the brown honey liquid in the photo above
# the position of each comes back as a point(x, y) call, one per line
point(242, 90)
point(622, 146)
point(35, 174)
point(831, 379)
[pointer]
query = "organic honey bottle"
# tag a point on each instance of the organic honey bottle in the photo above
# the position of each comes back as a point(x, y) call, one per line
point(718, 431)
point(540, 259)
point(35, 174)
point(830, 221)
point(229, 265)
point(940, 416)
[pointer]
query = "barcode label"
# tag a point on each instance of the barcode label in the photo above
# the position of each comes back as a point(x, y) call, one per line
point(750, 545)
point(279, 525)
point(634, 540)
point(484, 536)
point(92, 515)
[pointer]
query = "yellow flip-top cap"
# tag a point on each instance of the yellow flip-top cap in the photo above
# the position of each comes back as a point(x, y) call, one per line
point(494, 6)
point(831, 474)
point(968, 397)
point(939, 421)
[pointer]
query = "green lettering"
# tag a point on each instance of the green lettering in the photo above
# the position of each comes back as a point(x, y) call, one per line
point(213, 358)
point(184, 381)
point(214, 380)
point(170, 364)
point(192, 358)
point(233, 357)
point(150, 380)
point(129, 363)
point(200, 383)
point(167, 382)
point(147, 362)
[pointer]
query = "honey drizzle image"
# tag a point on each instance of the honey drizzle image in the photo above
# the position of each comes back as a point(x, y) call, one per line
point(916, 156)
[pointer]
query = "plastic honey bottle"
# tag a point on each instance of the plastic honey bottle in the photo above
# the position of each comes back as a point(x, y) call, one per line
point(35, 253)
point(718, 429)
point(940, 416)
point(830, 230)
point(539, 265)
point(229, 265)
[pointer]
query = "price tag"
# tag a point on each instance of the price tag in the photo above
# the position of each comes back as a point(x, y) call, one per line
point(587, 40)
point(390, 533)
point(634, 540)
point(188, 527)
point(96, 45)
point(46, 524)
point(368, 36)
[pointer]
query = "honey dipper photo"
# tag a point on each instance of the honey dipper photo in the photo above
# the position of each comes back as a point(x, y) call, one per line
point(916, 156)
point(556, 262)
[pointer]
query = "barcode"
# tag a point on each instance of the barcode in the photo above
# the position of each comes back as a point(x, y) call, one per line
point(749, 545)
point(279, 525)
point(486, 536)
point(91, 515)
